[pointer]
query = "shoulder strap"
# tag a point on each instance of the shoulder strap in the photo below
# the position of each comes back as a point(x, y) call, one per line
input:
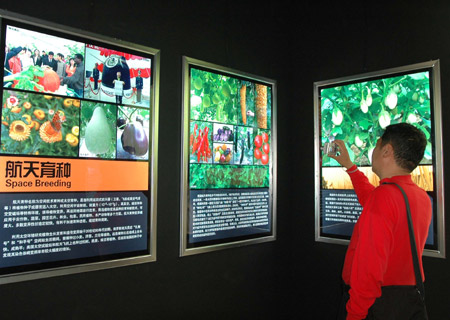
point(419, 281)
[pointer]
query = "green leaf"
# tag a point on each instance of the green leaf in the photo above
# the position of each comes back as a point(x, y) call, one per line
point(337, 130)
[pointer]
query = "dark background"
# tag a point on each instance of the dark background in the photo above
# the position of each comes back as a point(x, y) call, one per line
point(295, 43)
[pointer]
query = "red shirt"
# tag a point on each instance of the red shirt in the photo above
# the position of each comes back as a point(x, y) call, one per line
point(379, 253)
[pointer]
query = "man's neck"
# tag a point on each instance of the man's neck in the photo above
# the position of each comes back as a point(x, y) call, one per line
point(393, 173)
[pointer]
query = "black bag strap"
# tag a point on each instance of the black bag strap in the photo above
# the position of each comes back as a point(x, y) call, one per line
point(419, 281)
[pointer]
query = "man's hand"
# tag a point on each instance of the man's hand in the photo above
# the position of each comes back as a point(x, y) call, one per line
point(343, 158)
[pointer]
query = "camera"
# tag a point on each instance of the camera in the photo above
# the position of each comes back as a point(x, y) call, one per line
point(330, 148)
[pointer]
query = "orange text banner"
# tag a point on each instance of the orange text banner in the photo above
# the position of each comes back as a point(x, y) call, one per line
point(26, 174)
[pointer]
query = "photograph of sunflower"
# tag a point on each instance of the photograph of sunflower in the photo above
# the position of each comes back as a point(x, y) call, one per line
point(37, 124)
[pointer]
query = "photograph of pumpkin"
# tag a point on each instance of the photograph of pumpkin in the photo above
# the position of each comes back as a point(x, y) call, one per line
point(359, 112)
point(261, 144)
point(36, 124)
point(30, 64)
point(133, 132)
point(200, 142)
point(243, 146)
point(98, 130)
point(102, 66)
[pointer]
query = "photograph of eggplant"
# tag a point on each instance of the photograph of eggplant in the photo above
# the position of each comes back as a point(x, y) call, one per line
point(133, 133)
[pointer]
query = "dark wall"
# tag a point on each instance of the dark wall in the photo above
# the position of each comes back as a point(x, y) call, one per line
point(340, 39)
point(296, 44)
point(242, 283)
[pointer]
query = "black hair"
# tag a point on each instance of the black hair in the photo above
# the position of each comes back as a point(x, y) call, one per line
point(50, 53)
point(408, 143)
point(79, 56)
point(61, 55)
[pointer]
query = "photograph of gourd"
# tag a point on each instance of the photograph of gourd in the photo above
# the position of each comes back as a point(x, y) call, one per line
point(255, 105)
point(98, 130)
point(133, 132)
point(200, 142)
point(214, 97)
point(36, 124)
point(358, 113)
point(30, 65)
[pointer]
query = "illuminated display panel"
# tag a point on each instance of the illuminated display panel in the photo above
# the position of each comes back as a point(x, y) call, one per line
point(357, 110)
point(229, 156)
point(76, 150)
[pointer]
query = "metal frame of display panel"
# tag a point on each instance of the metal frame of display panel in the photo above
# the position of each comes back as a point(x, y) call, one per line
point(433, 66)
point(185, 151)
point(153, 148)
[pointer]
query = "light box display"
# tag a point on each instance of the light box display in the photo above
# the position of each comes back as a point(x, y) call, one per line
point(77, 151)
point(357, 110)
point(229, 158)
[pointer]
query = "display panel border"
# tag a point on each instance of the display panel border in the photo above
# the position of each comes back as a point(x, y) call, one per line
point(150, 255)
point(184, 192)
point(432, 65)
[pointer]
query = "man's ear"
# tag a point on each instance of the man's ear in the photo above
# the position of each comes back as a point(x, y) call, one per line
point(387, 150)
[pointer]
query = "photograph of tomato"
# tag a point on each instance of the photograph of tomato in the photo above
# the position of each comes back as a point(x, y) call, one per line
point(261, 143)
point(37, 124)
point(133, 133)
point(98, 130)
point(358, 113)
point(200, 142)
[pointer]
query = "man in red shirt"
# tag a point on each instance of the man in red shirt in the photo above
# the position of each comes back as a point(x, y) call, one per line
point(379, 253)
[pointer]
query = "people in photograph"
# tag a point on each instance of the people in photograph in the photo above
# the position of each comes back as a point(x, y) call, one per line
point(118, 88)
point(61, 66)
point(76, 81)
point(25, 59)
point(50, 61)
point(37, 59)
point(71, 67)
point(139, 87)
point(95, 75)
point(12, 61)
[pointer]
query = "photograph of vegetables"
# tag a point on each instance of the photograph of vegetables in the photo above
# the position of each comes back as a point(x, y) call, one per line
point(358, 113)
point(219, 98)
point(243, 146)
point(133, 132)
point(200, 142)
point(98, 130)
point(211, 176)
point(36, 124)
point(36, 61)
point(223, 150)
point(262, 147)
